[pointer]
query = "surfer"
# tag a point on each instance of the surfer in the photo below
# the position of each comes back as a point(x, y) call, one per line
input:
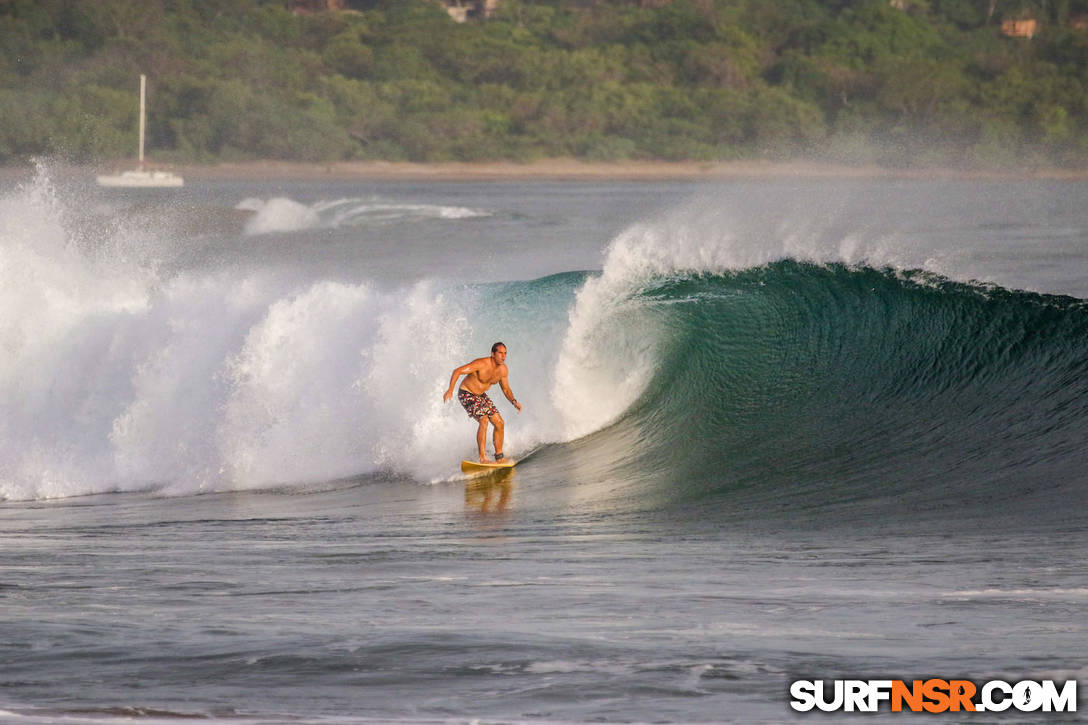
point(481, 374)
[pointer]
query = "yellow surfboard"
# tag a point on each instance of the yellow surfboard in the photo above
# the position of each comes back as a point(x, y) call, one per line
point(490, 467)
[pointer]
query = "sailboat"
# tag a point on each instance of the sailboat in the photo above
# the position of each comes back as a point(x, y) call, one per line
point(141, 178)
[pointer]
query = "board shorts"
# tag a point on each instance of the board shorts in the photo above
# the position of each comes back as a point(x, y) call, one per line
point(477, 406)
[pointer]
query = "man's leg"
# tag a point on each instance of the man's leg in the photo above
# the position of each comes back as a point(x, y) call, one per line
point(500, 430)
point(481, 438)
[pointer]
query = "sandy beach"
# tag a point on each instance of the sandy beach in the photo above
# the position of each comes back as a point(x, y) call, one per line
point(573, 169)
point(552, 169)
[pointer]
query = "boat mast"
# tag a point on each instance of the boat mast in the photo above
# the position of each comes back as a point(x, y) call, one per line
point(143, 88)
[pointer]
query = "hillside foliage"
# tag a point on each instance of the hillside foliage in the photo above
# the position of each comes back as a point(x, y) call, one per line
point(917, 83)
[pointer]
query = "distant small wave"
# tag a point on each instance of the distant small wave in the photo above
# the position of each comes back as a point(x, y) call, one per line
point(281, 214)
point(1021, 594)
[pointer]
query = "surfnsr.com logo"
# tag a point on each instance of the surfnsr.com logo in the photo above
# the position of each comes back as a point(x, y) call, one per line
point(933, 695)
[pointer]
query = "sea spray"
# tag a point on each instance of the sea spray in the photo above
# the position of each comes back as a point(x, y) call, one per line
point(67, 316)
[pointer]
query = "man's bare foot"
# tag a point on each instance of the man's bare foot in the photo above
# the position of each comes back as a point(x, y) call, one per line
point(483, 459)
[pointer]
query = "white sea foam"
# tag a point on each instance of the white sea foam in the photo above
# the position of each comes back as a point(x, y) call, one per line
point(116, 378)
point(278, 215)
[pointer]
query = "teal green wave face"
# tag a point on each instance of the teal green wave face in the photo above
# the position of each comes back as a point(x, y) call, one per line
point(826, 384)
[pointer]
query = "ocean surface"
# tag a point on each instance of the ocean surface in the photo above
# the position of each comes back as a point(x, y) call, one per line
point(772, 430)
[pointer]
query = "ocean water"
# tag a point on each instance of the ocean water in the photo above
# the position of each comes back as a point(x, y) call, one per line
point(772, 430)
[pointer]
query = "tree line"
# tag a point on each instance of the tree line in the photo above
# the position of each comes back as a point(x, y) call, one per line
point(907, 82)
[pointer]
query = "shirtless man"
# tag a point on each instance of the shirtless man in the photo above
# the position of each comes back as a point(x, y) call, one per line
point(481, 374)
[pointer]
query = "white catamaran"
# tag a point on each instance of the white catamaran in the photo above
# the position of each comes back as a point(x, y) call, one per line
point(141, 177)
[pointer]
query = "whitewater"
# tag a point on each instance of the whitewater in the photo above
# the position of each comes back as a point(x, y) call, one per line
point(776, 430)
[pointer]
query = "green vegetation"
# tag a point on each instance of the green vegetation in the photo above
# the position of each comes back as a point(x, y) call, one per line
point(927, 81)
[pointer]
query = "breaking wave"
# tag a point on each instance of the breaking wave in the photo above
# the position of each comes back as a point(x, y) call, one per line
point(699, 364)
point(281, 214)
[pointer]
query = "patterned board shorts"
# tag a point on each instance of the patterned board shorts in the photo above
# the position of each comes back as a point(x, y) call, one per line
point(477, 406)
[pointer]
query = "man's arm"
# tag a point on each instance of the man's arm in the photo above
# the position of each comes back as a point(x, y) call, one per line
point(463, 370)
point(505, 385)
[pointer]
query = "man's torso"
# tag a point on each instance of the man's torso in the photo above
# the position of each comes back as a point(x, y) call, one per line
point(478, 381)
